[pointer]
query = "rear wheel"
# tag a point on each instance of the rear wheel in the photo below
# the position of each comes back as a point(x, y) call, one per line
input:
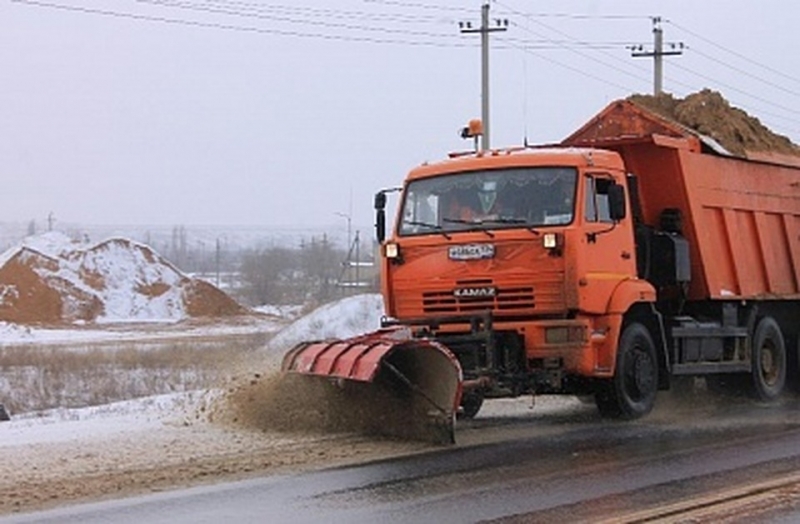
point(769, 360)
point(632, 392)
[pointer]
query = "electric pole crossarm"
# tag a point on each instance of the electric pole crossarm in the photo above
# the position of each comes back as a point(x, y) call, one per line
point(657, 54)
point(484, 30)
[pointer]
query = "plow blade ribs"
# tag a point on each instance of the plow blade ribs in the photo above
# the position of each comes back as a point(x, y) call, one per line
point(385, 383)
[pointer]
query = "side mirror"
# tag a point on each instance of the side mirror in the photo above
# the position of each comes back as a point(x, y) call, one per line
point(616, 202)
point(380, 216)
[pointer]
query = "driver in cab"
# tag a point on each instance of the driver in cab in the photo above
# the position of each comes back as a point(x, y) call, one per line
point(477, 206)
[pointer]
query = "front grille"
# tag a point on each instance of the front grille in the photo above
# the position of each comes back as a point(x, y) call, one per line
point(506, 299)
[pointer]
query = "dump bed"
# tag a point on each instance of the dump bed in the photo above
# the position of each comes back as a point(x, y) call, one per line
point(741, 216)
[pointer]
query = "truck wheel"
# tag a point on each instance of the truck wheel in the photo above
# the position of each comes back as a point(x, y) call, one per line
point(769, 360)
point(471, 403)
point(632, 392)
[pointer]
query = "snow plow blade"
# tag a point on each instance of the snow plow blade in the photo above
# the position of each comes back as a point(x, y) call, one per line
point(384, 383)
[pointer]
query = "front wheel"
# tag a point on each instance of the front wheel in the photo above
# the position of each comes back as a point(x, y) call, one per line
point(471, 403)
point(632, 392)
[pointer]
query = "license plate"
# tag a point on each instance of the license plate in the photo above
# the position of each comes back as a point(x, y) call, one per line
point(471, 252)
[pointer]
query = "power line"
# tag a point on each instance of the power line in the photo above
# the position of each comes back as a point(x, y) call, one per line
point(332, 13)
point(193, 6)
point(606, 81)
point(579, 52)
point(572, 68)
point(732, 52)
point(239, 28)
point(587, 17)
point(676, 82)
point(745, 73)
point(740, 91)
point(420, 5)
point(546, 43)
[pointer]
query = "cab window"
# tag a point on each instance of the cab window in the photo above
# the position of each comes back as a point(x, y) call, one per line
point(596, 205)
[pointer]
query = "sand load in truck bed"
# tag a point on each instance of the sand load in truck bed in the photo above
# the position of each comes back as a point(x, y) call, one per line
point(708, 113)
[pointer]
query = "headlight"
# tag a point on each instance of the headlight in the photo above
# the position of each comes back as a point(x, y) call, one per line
point(550, 240)
point(391, 250)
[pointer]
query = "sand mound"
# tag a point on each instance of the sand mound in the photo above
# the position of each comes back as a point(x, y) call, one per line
point(708, 113)
point(51, 279)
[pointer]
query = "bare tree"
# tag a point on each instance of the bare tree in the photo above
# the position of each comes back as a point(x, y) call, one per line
point(268, 275)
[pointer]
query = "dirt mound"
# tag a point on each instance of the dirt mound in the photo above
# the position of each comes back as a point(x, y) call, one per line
point(708, 113)
point(51, 279)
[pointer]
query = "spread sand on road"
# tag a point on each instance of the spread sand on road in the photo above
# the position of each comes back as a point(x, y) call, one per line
point(72, 456)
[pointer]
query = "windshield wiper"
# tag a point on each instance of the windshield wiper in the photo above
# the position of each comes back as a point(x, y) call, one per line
point(496, 220)
point(505, 220)
point(435, 227)
point(474, 222)
point(511, 220)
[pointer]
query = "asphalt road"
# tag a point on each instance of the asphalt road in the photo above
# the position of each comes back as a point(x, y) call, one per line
point(562, 466)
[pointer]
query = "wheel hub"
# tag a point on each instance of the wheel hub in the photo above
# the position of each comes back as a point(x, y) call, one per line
point(768, 368)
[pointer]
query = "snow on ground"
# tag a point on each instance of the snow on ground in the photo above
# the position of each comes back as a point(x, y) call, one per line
point(17, 334)
point(346, 318)
point(157, 442)
point(60, 425)
point(284, 311)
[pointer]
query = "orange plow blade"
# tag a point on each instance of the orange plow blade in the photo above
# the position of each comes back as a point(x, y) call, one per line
point(385, 383)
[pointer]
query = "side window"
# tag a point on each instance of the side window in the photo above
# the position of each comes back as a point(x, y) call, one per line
point(596, 205)
point(420, 213)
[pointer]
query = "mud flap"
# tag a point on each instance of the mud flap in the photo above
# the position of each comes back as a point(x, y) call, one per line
point(385, 383)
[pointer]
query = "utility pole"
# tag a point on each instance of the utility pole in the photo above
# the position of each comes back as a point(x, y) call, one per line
point(358, 259)
point(347, 262)
point(216, 260)
point(485, 29)
point(657, 53)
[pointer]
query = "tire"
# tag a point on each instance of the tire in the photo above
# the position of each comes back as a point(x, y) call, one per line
point(769, 360)
point(632, 392)
point(471, 404)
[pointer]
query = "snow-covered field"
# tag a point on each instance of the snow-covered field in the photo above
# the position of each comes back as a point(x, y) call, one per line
point(33, 356)
point(165, 439)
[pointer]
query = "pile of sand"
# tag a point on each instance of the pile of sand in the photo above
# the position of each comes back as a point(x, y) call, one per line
point(708, 113)
point(51, 279)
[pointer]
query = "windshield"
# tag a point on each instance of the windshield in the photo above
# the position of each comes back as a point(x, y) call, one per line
point(492, 199)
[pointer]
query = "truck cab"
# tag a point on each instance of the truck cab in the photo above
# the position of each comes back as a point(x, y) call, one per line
point(522, 262)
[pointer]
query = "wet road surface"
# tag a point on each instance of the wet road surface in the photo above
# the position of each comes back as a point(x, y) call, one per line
point(521, 467)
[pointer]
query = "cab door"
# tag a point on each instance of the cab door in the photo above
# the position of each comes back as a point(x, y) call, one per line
point(608, 255)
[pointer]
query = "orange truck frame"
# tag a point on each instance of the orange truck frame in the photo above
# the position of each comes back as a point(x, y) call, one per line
point(634, 252)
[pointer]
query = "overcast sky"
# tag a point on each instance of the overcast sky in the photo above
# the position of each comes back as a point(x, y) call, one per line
point(226, 112)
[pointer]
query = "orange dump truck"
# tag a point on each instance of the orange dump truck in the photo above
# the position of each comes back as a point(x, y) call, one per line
point(634, 252)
